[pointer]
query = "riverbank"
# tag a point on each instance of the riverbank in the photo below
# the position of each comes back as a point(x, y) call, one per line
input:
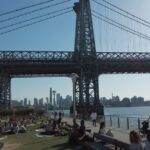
point(120, 134)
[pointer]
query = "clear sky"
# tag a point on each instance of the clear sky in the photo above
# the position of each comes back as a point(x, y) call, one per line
point(58, 34)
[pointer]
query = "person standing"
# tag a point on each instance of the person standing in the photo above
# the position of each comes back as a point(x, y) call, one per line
point(94, 118)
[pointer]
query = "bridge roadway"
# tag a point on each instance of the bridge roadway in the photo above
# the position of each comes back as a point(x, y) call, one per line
point(64, 62)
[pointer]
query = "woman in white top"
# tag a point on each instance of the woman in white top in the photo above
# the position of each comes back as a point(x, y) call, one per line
point(135, 141)
point(102, 128)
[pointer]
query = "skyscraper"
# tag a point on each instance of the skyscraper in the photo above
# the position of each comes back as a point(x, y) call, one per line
point(58, 99)
point(35, 102)
point(50, 96)
point(41, 102)
point(29, 103)
point(25, 101)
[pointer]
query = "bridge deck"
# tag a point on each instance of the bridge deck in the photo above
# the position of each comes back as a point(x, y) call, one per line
point(63, 62)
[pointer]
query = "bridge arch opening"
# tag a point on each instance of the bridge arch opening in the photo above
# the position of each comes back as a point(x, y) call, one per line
point(124, 85)
point(39, 88)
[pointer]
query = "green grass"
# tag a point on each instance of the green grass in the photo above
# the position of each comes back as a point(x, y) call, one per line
point(28, 141)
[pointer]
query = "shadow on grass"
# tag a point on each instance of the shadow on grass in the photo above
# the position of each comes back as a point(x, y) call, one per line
point(32, 143)
point(62, 146)
point(37, 142)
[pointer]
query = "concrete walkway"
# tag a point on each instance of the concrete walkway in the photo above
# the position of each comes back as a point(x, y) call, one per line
point(120, 134)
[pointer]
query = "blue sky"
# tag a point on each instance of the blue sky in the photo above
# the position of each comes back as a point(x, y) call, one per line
point(58, 35)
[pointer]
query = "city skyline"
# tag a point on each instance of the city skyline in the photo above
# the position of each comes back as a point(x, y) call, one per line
point(51, 36)
point(57, 101)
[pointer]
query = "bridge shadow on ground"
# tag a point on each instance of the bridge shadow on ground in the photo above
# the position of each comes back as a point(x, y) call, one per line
point(63, 146)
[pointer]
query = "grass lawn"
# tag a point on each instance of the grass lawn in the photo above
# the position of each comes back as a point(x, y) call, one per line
point(28, 141)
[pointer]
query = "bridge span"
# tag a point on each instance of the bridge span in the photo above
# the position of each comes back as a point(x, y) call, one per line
point(17, 63)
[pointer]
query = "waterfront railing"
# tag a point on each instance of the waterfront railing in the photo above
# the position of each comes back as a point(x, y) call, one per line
point(123, 122)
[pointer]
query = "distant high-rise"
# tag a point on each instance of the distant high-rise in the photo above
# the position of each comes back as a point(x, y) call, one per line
point(25, 101)
point(15, 103)
point(21, 102)
point(58, 99)
point(35, 102)
point(29, 103)
point(68, 101)
point(41, 102)
point(54, 100)
point(50, 96)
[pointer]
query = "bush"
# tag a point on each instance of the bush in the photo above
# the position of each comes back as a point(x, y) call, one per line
point(21, 112)
point(6, 112)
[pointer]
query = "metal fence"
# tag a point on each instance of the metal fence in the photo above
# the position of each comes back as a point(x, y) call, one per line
point(122, 122)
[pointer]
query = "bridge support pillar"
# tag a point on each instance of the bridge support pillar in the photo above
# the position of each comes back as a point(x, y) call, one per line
point(5, 90)
point(87, 88)
point(87, 94)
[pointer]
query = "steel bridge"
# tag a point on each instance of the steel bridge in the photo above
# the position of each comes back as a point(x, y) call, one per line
point(17, 63)
point(84, 61)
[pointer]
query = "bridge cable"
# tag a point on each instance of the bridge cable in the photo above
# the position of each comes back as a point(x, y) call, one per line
point(33, 11)
point(121, 14)
point(33, 18)
point(29, 24)
point(125, 11)
point(123, 26)
point(26, 7)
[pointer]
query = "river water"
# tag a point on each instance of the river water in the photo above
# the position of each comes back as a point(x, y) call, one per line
point(128, 116)
point(140, 112)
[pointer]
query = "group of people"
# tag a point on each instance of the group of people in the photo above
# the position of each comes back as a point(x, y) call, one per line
point(15, 125)
point(78, 133)
point(53, 126)
point(135, 139)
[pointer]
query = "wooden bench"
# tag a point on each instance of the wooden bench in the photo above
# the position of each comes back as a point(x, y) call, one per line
point(111, 140)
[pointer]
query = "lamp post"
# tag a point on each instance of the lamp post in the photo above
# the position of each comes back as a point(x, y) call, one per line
point(74, 77)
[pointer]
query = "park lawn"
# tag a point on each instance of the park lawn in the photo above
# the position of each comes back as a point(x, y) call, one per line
point(28, 141)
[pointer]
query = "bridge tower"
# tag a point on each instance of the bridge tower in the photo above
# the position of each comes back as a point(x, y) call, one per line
point(5, 90)
point(87, 87)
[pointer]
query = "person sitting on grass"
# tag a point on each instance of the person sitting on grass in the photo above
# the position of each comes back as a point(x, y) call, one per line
point(14, 128)
point(59, 120)
point(22, 128)
point(6, 126)
point(135, 141)
point(83, 137)
point(1, 131)
point(42, 124)
point(73, 134)
point(52, 129)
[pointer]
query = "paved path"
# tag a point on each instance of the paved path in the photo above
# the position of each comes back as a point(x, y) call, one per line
point(120, 134)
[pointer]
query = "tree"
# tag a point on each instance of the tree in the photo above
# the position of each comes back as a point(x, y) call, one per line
point(126, 102)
